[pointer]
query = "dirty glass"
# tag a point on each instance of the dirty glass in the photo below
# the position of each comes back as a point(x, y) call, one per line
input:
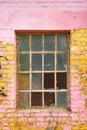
point(48, 62)
point(61, 78)
point(62, 42)
point(36, 62)
point(62, 99)
point(24, 81)
point(49, 99)
point(42, 70)
point(36, 81)
point(49, 81)
point(36, 42)
point(62, 61)
point(23, 100)
point(23, 43)
point(36, 99)
point(24, 62)
point(49, 42)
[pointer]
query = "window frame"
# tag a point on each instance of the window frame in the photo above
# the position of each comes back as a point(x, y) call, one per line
point(42, 32)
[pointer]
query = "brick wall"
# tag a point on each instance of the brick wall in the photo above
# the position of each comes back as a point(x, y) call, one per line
point(44, 15)
point(12, 119)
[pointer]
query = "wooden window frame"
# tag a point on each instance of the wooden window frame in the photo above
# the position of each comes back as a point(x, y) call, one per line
point(42, 32)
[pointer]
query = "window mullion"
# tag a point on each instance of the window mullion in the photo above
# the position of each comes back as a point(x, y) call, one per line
point(42, 70)
point(30, 71)
point(52, 70)
point(55, 69)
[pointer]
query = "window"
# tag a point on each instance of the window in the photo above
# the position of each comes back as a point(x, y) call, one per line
point(42, 69)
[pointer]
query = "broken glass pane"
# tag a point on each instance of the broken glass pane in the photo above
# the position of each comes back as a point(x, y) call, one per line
point(49, 81)
point(62, 42)
point(49, 99)
point(36, 99)
point(48, 62)
point(23, 43)
point(36, 62)
point(23, 81)
point(36, 81)
point(61, 80)
point(49, 42)
point(24, 62)
point(62, 99)
point(36, 44)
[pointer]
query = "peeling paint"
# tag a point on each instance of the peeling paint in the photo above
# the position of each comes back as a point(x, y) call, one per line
point(75, 119)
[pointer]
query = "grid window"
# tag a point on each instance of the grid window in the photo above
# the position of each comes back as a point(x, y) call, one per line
point(42, 70)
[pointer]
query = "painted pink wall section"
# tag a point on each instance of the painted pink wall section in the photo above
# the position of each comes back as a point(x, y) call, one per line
point(43, 15)
point(39, 19)
point(44, 19)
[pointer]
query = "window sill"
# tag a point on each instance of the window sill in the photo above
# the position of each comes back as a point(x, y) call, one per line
point(31, 110)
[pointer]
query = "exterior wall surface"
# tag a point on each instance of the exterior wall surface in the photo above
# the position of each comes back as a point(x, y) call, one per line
point(44, 15)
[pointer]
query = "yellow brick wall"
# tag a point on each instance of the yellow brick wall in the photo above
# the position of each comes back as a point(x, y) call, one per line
point(10, 119)
point(78, 58)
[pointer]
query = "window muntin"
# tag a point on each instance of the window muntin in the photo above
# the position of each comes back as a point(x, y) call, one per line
point(42, 70)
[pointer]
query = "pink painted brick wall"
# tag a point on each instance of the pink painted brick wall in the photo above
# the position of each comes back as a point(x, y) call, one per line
point(41, 15)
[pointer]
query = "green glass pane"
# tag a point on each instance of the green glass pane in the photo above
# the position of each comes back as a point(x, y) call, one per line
point(49, 62)
point(23, 81)
point(62, 99)
point(24, 62)
point(62, 60)
point(62, 42)
point(36, 44)
point(36, 81)
point(36, 99)
point(36, 62)
point(49, 42)
point(49, 99)
point(24, 100)
point(23, 43)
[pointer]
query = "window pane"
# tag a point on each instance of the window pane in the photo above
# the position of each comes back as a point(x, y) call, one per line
point(62, 42)
point(49, 42)
point(36, 99)
point(24, 62)
point(23, 81)
point(49, 99)
point(23, 100)
point(62, 99)
point(36, 81)
point(36, 62)
point(61, 80)
point(49, 62)
point(23, 43)
point(49, 81)
point(36, 43)
point(62, 61)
